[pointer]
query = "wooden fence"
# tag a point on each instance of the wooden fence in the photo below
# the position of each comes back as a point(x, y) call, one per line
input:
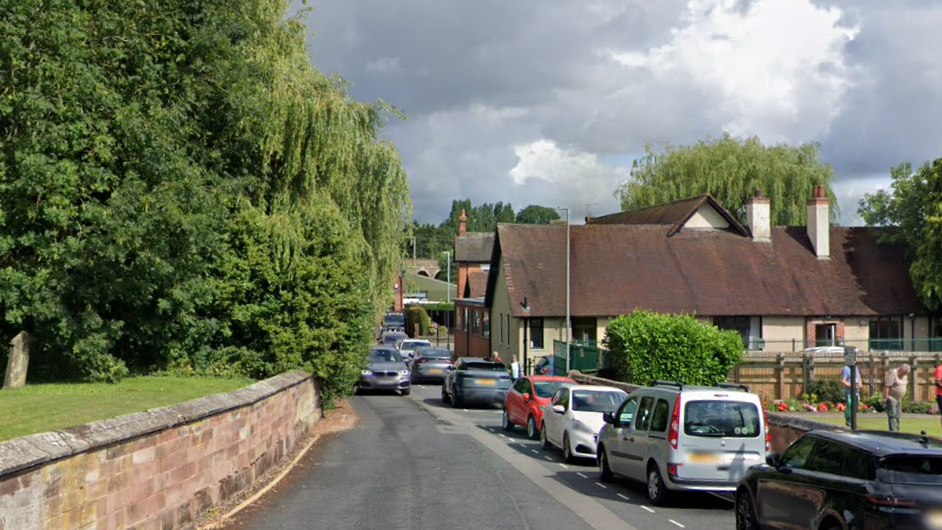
point(787, 374)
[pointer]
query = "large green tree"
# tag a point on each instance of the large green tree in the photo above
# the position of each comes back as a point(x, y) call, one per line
point(913, 211)
point(537, 215)
point(731, 170)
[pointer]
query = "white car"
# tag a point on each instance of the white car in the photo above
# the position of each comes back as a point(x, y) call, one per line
point(407, 347)
point(573, 418)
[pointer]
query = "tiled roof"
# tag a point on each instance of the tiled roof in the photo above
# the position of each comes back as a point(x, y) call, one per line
point(475, 247)
point(477, 283)
point(673, 214)
point(617, 268)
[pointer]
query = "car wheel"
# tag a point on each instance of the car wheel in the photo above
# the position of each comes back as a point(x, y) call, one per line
point(532, 432)
point(745, 513)
point(508, 426)
point(544, 441)
point(605, 472)
point(657, 492)
point(406, 391)
point(567, 449)
point(456, 402)
point(445, 397)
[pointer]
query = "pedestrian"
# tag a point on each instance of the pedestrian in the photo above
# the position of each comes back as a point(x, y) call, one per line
point(514, 368)
point(848, 388)
point(938, 388)
point(496, 357)
point(894, 388)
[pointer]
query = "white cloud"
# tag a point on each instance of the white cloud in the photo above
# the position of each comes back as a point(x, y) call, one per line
point(383, 65)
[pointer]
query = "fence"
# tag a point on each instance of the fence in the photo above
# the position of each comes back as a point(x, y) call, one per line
point(585, 357)
point(933, 344)
point(787, 374)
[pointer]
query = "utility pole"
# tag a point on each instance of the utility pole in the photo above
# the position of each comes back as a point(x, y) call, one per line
point(568, 277)
point(448, 301)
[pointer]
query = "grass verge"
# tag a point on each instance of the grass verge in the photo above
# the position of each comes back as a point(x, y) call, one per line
point(48, 407)
point(878, 422)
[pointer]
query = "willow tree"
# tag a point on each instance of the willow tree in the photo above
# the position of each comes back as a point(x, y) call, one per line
point(731, 170)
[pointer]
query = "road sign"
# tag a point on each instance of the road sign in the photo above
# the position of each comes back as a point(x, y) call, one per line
point(850, 355)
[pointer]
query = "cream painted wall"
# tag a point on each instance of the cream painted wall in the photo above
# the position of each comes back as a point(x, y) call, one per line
point(779, 332)
point(855, 333)
point(500, 308)
point(706, 217)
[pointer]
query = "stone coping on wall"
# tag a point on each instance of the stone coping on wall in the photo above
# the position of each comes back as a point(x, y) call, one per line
point(29, 451)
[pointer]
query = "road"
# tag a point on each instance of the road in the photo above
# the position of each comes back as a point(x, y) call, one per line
point(415, 463)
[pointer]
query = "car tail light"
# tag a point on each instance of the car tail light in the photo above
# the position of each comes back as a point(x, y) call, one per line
point(768, 434)
point(675, 423)
point(672, 469)
point(889, 501)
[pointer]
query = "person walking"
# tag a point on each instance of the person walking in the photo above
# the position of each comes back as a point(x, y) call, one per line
point(894, 388)
point(848, 388)
point(514, 368)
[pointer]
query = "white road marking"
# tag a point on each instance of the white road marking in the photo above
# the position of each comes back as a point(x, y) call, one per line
point(601, 486)
point(503, 436)
point(534, 451)
point(564, 466)
point(646, 508)
point(548, 458)
point(623, 497)
point(581, 475)
point(676, 523)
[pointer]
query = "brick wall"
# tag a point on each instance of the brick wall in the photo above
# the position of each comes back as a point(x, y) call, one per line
point(157, 469)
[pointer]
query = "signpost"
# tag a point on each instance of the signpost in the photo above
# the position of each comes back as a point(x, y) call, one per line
point(850, 359)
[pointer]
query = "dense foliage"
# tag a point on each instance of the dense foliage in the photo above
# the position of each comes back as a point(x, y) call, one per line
point(914, 210)
point(648, 347)
point(417, 318)
point(180, 188)
point(731, 170)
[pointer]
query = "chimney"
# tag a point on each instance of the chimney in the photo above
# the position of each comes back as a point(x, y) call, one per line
point(759, 217)
point(462, 224)
point(819, 225)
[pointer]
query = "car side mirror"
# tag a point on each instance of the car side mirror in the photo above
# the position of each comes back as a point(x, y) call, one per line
point(526, 396)
point(559, 409)
point(774, 460)
point(608, 417)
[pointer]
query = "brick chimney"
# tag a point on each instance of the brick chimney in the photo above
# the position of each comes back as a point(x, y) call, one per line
point(819, 225)
point(759, 217)
point(462, 224)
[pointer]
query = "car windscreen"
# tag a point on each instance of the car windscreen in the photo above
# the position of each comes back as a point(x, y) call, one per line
point(911, 469)
point(412, 344)
point(721, 418)
point(496, 367)
point(394, 319)
point(436, 354)
point(384, 356)
point(546, 389)
point(596, 400)
point(392, 338)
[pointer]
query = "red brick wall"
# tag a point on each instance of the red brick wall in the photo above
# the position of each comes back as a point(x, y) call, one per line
point(154, 470)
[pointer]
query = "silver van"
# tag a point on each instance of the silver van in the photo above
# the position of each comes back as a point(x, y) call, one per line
point(681, 437)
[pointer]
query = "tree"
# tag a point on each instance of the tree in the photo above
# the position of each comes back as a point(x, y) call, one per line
point(537, 215)
point(913, 211)
point(731, 170)
point(649, 346)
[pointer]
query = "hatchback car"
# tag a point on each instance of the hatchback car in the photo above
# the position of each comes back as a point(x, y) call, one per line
point(473, 379)
point(680, 437)
point(407, 347)
point(525, 400)
point(573, 418)
point(385, 370)
point(430, 364)
point(834, 480)
point(391, 338)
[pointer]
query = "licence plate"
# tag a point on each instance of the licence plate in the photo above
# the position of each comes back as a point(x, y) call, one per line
point(485, 382)
point(703, 458)
point(934, 519)
point(435, 370)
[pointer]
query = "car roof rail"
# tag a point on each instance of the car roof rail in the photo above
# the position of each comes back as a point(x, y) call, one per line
point(668, 383)
point(744, 388)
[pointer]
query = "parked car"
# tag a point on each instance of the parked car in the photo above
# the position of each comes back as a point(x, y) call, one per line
point(473, 379)
point(680, 437)
point(573, 418)
point(394, 321)
point(525, 400)
point(391, 338)
point(430, 363)
point(385, 370)
point(837, 480)
point(825, 350)
point(407, 346)
point(544, 366)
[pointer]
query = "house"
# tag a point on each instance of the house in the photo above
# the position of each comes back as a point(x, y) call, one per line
point(780, 288)
point(472, 320)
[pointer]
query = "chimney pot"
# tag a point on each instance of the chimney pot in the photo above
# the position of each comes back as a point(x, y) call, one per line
point(462, 224)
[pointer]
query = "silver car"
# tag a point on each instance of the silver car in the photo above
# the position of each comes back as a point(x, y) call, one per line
point(573, 418)
point(385, 370)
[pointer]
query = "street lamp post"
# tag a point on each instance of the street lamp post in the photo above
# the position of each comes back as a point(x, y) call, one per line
point(568, 276)
point(448, 301)
point(526, 324)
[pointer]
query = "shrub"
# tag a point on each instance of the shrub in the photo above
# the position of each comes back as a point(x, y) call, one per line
point(416, 315)
point(647, 347)
point(920, 407)
point(826, 389)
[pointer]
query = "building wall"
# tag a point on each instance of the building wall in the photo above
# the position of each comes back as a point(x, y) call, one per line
point(500, 308)
point(707, 217)
point(158, 469)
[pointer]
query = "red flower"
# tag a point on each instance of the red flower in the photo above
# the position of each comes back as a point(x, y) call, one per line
point(823, 407)
point(782, 407)
point(841, 406)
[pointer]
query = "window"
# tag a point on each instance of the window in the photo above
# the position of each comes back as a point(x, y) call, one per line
point(858, 464)
point(487, 324)
point(536, 333)
point(796, 455)
point(644, 414)
point(558, 396)
point(500, 324)
point(711, 418)
point(545, 389)
point(596, 400)
point(508, 329)
point(886, 334)
point(659, 419)
point(827, 457)
point(522, 385)
point(627, 412)
point(464, 323)
point(740, 325)
point(476, 322)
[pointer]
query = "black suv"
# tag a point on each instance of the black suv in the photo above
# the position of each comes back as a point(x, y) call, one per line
point(836, 480)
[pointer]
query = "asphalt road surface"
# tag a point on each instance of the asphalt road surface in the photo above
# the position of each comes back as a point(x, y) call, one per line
point(415, 463)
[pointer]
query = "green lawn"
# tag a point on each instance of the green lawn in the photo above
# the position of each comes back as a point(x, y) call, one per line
point(877, 422)
point(48, 407)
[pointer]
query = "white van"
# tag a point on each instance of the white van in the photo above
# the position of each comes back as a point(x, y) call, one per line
point(680, 437)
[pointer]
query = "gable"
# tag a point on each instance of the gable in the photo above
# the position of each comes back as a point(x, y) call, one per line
point(707, 217)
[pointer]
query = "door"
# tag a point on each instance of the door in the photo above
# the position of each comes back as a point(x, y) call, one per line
point(620, 431)
point(553, 420)
point(636, 444)
point(775, 491)
point(516, 405)
point(825, 335)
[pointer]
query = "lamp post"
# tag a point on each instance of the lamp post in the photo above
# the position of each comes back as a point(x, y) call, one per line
point(526, 325)
point(448, 301)
point(567, 284)
point(912, 332)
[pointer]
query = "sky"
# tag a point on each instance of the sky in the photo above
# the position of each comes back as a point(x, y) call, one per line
point(549, 101)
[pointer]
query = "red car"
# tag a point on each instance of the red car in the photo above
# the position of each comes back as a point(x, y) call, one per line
point(524, 402)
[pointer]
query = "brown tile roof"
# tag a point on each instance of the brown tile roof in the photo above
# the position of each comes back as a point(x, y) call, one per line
point(477, 284)
point(475, 247)
point(617, 268)
point(674, 214)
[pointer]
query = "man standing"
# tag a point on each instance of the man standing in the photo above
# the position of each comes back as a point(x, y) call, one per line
point(514, 368)
point(894, 388)
point(848, 388)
